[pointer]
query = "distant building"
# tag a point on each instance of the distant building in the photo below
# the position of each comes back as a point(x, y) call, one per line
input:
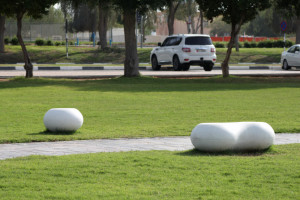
point(180, 27)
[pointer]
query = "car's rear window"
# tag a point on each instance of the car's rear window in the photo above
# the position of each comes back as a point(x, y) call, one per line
point(198, 40)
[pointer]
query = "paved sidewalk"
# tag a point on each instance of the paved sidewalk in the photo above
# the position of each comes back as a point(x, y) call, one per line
point(111, 145)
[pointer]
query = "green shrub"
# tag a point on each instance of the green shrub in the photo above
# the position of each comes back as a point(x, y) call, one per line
point(71, 43)
point(49, 43)
point(278, 43)
point(57, 43)
point(219, 45)
point(39, 42)
point(247, 45)
point(288, 43)
point(6, 40)
point(253, 44)
point(63, 43)
point(14, 41)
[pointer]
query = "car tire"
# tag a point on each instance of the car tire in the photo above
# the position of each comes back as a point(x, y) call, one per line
point(186, 67)
point(285, 65)
point(208, 67)
point(177, 66)
point(154, 63)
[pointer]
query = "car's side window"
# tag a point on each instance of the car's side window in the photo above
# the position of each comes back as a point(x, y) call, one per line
point(165, 43)
point(297, 48)
point(292, 50)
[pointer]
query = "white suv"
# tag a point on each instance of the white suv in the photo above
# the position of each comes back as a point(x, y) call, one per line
point(183, 51)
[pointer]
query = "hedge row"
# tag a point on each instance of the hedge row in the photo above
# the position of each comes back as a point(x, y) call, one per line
point(261, 44)
point(38, 42)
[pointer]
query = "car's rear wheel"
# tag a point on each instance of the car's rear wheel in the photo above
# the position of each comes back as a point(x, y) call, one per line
point(208, 67)
point(154, 63)
point(186, 67)
point(177, 66)
point(285, 65)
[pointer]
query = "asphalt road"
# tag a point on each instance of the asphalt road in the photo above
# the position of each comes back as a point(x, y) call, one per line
point(115, 71)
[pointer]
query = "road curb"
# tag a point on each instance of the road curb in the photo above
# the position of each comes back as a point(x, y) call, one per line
point(72, 68)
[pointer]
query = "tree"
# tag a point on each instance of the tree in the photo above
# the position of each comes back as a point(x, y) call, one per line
point(32, 8)
point(85, 18)
point(129, 8)
point(172, 7)
point(2, 29)
point(292, 8)
point(234, 12)
point(188, 12)
point(104, 7)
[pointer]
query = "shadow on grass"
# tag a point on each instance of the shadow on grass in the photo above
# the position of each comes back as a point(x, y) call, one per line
point(195, 152)
point(47, 132)
point(148, 84)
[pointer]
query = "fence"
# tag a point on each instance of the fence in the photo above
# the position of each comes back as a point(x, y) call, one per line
point(243, 39)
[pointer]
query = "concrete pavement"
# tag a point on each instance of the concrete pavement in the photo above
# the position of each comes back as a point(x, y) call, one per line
point(111, 145)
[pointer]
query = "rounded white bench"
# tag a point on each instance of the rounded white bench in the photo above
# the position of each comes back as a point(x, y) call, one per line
point(63, 119)
point(235, 136)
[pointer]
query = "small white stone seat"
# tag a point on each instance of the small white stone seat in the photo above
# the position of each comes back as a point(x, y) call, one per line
point(63, 119)
point(235, 136)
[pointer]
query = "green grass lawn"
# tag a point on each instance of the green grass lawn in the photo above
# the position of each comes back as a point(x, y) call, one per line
point(53, 54)
point(155, 175)
point(145, 107)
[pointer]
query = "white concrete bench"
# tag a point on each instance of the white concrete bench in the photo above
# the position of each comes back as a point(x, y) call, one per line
point(63, 119)
point(235, 136)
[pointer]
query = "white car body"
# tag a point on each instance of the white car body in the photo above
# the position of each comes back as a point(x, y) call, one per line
point(291, 57)
point(190, 49)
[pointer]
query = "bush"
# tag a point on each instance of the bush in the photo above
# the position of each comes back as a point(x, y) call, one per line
point(219, 45)
point(14, 41)
point(57, 43)
point(247, 45)
point(288, 43)
point(265, 44)
point(63, 43)
point(278, 43)
point(253, 44)
point(6, 40)
point(71, 43)
point(49, 43)
point(39, 42)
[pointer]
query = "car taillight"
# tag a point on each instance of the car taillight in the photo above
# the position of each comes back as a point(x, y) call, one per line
point(186, 49)
point(212, 50)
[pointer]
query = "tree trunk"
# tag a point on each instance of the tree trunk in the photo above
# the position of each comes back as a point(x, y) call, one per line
point(236, 42)
point(28, 66)
point(235, 29)
point(102, 27)
point(171, 16)
point(131, 64)
point(201, 23)
point(298, 30)
point(2, 29)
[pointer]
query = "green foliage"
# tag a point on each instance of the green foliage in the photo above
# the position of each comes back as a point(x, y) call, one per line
point(219, 45)
point(233, 12)
point(133, 107)
point(49, 43)
point(57, 43)
point(32, 8)
point(14, 41)
point(274, 43)
point(6, 40)
point(39, 42)
point(154, 175)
